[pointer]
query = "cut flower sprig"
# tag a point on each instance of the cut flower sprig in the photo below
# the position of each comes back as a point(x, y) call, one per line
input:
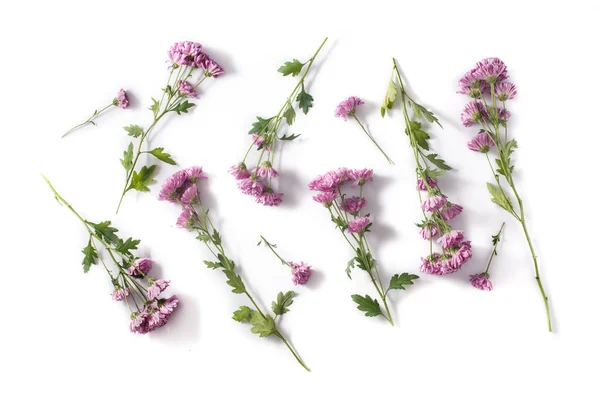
point(482, 281)
point(131, 283)
point(257, 181)
point(182, 189)
point(301, 272)
point(347, 213)
point(189, 67)
point(121, 100)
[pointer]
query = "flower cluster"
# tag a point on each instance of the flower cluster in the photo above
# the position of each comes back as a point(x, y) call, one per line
point(130, 280)
point(301, 272)
point(489, 89)
point(182, 188)
point(347, 212)
point(121, 101)
point(257, 180)
point(437, 209)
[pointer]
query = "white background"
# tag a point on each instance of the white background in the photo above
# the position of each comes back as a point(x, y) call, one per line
point(62, 335)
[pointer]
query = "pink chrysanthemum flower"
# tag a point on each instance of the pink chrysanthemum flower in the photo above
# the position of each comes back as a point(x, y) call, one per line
point(472, 86)
point(269, 198)
point(300, 273)
point(190, 196)
point(451, 239)
point(186, 89)
point(429, 264)
point(434, 203)
point(239, 171)
point(422, 186)
point(343, 174)
point(195, 174)
point(361, 176)
point(481, 281)
point(358, 225)
point(326, 183)
point(473, 113)
point(167, 306)
point(505, 90)
point(326, 198)
point(482, 142)
point(503, 114)
point(348, 107)
point(429, 232)
point(266, 170)
point(138, 323)
point(211, 68)
point(185, 219)
point(450, 210)
point(173, 187)
point(119, 294)
point(353, 204)
point(445, 265)
point(491, 70)
point(140, 267)
point(185, 53)
point(122, 100)
point(157, 287)
point(461, 254)
point(251, 186)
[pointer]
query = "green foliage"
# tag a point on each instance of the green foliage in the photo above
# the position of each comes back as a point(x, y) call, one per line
point(422, 113)
point(213, 265)
point(390, 96)
point(291, 67)
point(263, 326)
point(364, 261)
point(288, 137)
point(289, 114)
point(162, 156)
point(420, 136)
point(203, 237)
point(105, 231)
point(499, 197)
point(280, 306)
point(183, 107)
point(127, 161)
point(398, 282)
point(140, 180)
point(235, 281)
point(134, 130)
point(127, 245)
point(90, 256)
point(367, 304)
point(260, 125)
point(155, 107)
point(438, 162)
point(305, 100)
point(243, 314)
point(349, 267)
point(216, 238)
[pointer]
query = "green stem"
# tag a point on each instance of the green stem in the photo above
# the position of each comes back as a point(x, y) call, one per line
point(89, 120)
point(270, 246)
point(280, 336)
point(372, 139)
point(494, 249)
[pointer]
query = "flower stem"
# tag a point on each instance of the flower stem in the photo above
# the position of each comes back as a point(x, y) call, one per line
point(89, 120)
point(497, 236)
point(280, 336)
point(372, 139)
point(271, 246)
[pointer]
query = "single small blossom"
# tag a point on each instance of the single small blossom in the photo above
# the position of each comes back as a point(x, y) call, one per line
point(434, 203)
point(211, 68)
point(300, 273)
point(173, 187)
point(358, 225)
point(195, 174)
point(251, 186)
point(239, 171)
point(186, 89)
point(472, 86)
point(505, 90)
point(157, 287)
point(167, 306)
point(450, 211)
point(503, 114)
point(461, 254)
point(185, 219)
point(482, 142)
point(348, 107)
point(429, 264)
point(474, 113)
point(326, 183)
point(491, 70)
point(120, 294)
point(422, 186)
point(139, 323)
point(481, 281)
point(190, 196)
point(343, 174)
point(259, 140)
point(185, 53)
point(353, 204)
point(451, 239)
point(122, 100)
point(429, 232)
point(140, 267)
point(269, 198)
point(266, 170)
point(326, 198)
point(361, 176)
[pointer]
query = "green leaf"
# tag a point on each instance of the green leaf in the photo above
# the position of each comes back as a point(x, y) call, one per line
point(127, 245)
point(243, 314)
point(235, 281)
point(438, 162)
point(213, 265)
point(291, 67)
point(364, 261)
point(216, 238)
point(498, 197)
point(288, 137)
point(162, 156)
point(305, 101)
point(203, 237)
point(420, 136)
point(154, 107)
point(183, 107)
point(105, 231)
point(263, 326)
point(140, 180)
point(260, 125)
point(399, 282)
point(390, 96)
point(421, 112)
point(127, 161)
point(367, 304)
point(134, 130)
point(280, 307)
point(90, 256)
point(349, 267)
point(289, 114)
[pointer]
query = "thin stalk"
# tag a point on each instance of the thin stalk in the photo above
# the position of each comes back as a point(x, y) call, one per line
point(494, 249)
point(280, 336)
point(372, 139)
point(270, 246)
point(89, 120)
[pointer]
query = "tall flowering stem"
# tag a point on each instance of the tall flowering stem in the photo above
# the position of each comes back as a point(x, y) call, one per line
point(437, 209)
point(347, 213)
point(482, 281)
point(182, 189)
point(129, 276)
point(487, 85)
point(121, 101)
point(257, 180)
point(189, 67)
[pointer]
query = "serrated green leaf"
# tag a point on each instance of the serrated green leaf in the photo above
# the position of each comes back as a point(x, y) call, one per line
point(280, 306)
point(183, 107)
point(438, 162)
point(305, 101)
point(127, 161)
point(134, 130)
point(263, 326)
point(213, 265)
point(162, 156)
point(105, 231)
point(364, 261)
point(367, 304)
point(421, 112)
point(127, 245)
point(235, 281)
point(289, 114)
point(140, 180)
point(421, 138)
point(243, 314)
point(398, 282)
point(498, 197)
point(390, 97)
point(90, 256)
point(349, 267)
point(260, 125)
point(216, 238)
point(288, 137)
point(155, 106)
point(203, 237)
point(291, 67)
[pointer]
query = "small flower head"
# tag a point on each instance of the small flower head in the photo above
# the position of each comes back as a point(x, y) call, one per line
point(186, 89)
point(300, 273)
point(326, 198)
point(429, 264)
point(505, 90)
point(173, 187)
point(266, 170)
point(348, 107)
point(269, 198)
point(185, 219)
point(185, 53)
point(360, 176)
point(359, 225)
point(239, 171)
point(422, 186)
point(481, 281)
point(491, 70)
point(326, 183)
point(343, 174)
point(119, 294)
point(434, 203)
point(451, 239)
point(195, 174)
point(460, 254)
point(473, 113)
point(429, 232)
point(211, 68)
point(167, 306)
point(450, 210)
point(121, 100)
point(472, 86)
point(481, 143)
point(140, 267)
point(156, 287)
point(190, 196)
point(251, 186)
point(353, 204)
